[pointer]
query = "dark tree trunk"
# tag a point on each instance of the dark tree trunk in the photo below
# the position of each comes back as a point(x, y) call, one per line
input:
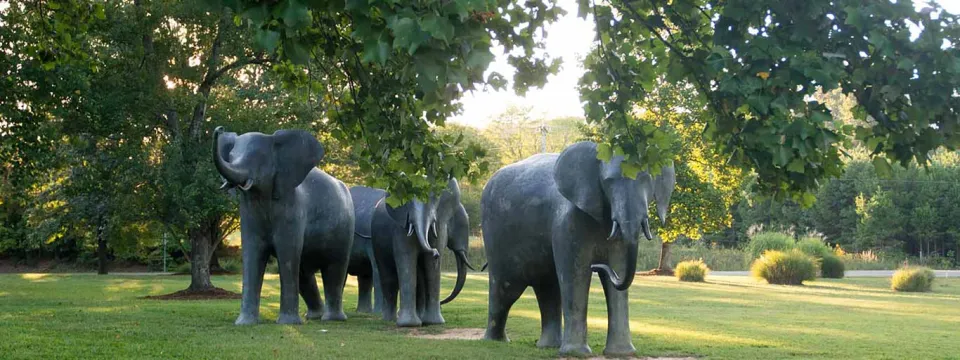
point(664, 268)
point(101, 251)
point(201, 250)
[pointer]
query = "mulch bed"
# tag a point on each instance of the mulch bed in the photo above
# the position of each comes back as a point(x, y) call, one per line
point(212, 294)
point(657, 272)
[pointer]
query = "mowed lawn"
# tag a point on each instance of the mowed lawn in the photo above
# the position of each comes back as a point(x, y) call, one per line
point(88, 316)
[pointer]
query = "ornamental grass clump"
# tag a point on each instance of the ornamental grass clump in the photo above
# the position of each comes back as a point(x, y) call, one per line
point(832, 267)
point(785, 267)
point(691, 270)
point(912, 279)
point(766, 241)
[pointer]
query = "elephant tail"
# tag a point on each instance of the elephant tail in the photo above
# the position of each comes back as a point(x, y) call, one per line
point(484, 267)
point(362, 235)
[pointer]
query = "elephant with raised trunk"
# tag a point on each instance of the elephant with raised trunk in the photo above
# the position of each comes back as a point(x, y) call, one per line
point(405, 240)
point(551, 219)
point(293, 211)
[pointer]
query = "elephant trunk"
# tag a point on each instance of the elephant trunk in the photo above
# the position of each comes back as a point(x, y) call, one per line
point(462, 265)
point(231, 173)
point(623, 283)
point(423, 229)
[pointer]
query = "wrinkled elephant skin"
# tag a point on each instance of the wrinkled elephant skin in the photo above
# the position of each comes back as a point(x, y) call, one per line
point(551, 219)
point(290, 210)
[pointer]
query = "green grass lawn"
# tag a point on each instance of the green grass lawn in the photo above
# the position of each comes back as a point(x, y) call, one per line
point(89, 316)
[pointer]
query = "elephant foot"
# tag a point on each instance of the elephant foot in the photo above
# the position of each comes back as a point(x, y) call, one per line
point(364, 309)
point(314, 314)
point(289, 319)
point(409, 320)
point(548, 341)
point(575, 350)
point(247, 319)
point(613, 350)
point(494, 336)
point(334, 316)
point(433, 319)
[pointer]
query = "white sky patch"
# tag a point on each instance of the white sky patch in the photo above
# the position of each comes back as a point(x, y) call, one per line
point(569, 38)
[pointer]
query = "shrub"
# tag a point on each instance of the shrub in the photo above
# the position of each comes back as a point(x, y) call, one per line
point(231, 265)
point(814, 247)
point(785, 268)
point(691, 270)
point(762, 242)
point(181, 268)
point(831, 267)
point(912, 279)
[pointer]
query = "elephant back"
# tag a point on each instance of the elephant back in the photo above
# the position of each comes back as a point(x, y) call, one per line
point(364, 203)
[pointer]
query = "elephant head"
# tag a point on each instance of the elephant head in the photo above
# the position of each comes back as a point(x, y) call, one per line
point(269, 165)
point(599, 189)
point(418, 218)
point(458, 232)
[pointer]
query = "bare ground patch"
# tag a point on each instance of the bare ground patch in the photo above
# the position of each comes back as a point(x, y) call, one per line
point(448, 334)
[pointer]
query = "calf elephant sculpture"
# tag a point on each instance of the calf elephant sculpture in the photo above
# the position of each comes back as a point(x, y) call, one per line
point(548, 221)
point(362, 264)
point(404, 246)
point(291, 210)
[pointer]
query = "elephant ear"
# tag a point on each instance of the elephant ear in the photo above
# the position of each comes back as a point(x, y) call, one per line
point(297, 152)
point(663, 186)
point(450, 197)
point(577, 174)
point(400, 214)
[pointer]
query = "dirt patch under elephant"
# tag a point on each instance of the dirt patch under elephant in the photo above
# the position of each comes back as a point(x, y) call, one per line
point(635, 358)
point(212, 294)
point(449, 334)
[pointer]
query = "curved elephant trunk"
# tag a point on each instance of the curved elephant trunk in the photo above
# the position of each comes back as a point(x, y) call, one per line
point(423, 228)
point(631, 258)
point(462, 265)
point(231, 173)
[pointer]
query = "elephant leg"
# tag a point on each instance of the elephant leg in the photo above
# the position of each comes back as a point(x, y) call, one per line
point(377, 287)
point(407, 274)
point(334, 277)
point(310, 293)
point(386, 276)
point(501, 298)
point(572, 262)
point(421, 292)
point(430, 268)
point(288, 261)
point(618, 321)
point(364, 287)
point(254, 263)
point(548, 298)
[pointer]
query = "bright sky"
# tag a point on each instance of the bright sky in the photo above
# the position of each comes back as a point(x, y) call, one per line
point(569, 38)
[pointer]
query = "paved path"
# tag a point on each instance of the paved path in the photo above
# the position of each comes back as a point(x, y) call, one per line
point(851, 273)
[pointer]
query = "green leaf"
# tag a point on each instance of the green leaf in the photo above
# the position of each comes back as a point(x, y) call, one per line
point(630, 169)
point(267, 40)
point(479, 58)
point(884, 170)
point(604, 152)
point(438, 27)
point(797, 166)
point(296, 52)
point(296, 15)
point(406, 34)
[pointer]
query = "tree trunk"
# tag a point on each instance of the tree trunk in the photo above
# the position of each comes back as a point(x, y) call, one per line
point(664, 268)
point(201, 250)
point(101, 251)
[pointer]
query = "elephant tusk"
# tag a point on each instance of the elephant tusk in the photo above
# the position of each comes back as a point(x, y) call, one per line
point(433, 227)
point(409, 229)
point(463, 254)
point(646, 229)
point(226, 185)
point(614, 231)
point(247, 185)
